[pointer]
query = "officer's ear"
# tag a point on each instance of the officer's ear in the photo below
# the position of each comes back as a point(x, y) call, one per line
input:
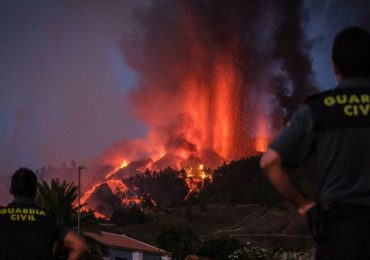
point(338, 74)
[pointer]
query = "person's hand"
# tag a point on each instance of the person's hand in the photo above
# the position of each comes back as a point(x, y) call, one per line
point(302, 210)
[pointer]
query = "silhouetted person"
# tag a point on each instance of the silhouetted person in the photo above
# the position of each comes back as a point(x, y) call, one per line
point(334, 127)
point(28, 231)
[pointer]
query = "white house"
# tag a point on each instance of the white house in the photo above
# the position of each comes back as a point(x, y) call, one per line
point(122, 247)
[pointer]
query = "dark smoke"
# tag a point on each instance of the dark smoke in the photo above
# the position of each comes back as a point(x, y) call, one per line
point(268, 43)
point(293, 48)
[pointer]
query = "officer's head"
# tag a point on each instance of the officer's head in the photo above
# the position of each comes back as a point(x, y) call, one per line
point(351, 53)
point(24, 183)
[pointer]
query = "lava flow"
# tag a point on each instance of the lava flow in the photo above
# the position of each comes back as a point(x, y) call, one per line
point(114, 185)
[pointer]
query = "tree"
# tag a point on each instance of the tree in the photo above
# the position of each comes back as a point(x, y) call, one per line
point(58, 198)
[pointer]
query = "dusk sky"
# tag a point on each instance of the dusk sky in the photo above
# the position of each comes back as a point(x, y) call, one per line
point(64, 79)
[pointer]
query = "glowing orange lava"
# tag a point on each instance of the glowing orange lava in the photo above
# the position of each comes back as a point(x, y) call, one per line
point(195, 178)
point(123, 164)
point(117, 186)
point(114, 185)
point(99, 215)
point(262, 137)
point(131, 201)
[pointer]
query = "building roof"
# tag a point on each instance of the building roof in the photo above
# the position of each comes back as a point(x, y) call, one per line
point(124, 242)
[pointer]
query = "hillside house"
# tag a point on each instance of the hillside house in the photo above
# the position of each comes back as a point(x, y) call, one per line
point(122, 247)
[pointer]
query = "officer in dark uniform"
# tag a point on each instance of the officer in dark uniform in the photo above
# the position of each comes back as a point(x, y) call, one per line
point(334, 127)
point(28, 231)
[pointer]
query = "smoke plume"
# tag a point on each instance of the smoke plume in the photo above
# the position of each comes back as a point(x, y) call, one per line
point(216, 74)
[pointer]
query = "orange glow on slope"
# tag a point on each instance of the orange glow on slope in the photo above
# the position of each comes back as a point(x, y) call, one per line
point(195, 178)
point(117, 186)
point(99, 215)
point(123, 164)
point(131, 201)
point(114, 185)
point(88, 193)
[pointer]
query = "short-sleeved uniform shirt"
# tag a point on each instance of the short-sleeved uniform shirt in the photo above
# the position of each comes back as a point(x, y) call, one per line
point(28, 231)
point(333, 126)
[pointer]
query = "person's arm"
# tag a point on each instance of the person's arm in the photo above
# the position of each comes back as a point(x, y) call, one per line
point(271, 164)
point(76, 245)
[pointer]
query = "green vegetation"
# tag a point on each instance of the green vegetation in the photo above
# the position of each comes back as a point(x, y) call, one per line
point(250, 252)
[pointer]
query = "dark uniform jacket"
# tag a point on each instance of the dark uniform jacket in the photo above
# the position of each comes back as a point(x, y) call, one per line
point(28, 231)
point(334, 126)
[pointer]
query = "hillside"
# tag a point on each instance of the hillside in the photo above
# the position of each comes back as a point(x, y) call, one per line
point(269, 227)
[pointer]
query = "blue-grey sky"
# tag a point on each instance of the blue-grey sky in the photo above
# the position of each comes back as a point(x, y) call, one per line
point(64, 80)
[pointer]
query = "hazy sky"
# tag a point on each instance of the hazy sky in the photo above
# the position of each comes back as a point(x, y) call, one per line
point(63, 78)
point(62, 81)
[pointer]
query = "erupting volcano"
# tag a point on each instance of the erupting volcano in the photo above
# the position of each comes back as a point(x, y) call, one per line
point(209, 86)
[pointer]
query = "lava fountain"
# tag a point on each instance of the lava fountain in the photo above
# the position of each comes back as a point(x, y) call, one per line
point(209, 83)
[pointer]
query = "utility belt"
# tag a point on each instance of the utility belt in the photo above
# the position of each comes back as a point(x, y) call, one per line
point(322, 216)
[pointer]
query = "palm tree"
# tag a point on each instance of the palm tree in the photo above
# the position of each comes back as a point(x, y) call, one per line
point(58, 198)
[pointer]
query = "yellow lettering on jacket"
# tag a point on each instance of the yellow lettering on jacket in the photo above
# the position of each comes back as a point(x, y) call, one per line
point(348, 111)
point(356, 110)
point(22, 214)
point(22, 217)
point(364, 109)
point(353, 105)
point(354, 99)
point(365, 98)
point(329, 101)
point(342, 99)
